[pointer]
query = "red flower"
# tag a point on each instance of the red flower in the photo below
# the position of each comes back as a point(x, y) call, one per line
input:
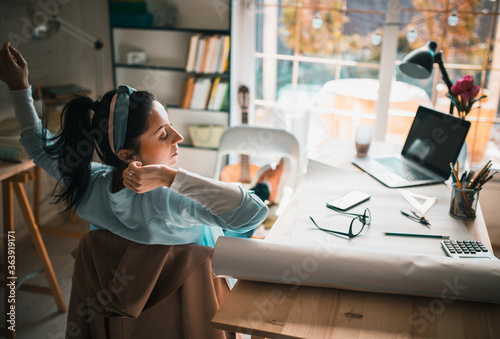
point(465, 84)
point(474, 91)
point(463, 95)
point(468, 82)
point(454, 90)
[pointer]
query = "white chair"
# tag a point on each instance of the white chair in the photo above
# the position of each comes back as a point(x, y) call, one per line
point(258, 142)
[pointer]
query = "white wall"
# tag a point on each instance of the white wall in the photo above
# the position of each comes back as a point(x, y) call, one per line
point(62, 59)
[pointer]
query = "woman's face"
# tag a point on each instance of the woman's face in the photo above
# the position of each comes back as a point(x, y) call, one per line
point(159, 142)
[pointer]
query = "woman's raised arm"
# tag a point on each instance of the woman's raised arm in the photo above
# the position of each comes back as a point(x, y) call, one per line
point(13, 68)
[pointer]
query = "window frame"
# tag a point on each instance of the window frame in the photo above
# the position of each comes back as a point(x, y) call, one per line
point(388, 58)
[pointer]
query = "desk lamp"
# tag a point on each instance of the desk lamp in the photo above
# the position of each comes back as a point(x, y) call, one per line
point(419, 64)
point(53, 24)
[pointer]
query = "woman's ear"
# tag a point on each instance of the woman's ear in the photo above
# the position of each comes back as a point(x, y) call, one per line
point(127, 156)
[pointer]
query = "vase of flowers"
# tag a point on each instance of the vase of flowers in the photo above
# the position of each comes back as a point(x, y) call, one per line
point(463, 95)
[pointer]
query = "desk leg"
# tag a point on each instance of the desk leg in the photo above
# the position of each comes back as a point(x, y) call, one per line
point(39, 246)
point(8, 225)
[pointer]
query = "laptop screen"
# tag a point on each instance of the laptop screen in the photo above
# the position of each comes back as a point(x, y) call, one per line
point(435, 140)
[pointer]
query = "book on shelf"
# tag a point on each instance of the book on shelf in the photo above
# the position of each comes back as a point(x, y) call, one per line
point(11, 149)
point(63, 92)
point(219, 96)
point(195, 94)
point(200, 53)
point(213, 91)
point(187, 92)
point(218, 56)
point(208, 53)
point(205, 93)
point(60, 95)
point(201, 92)
point(193, 44)
point(223, 64)
point(221, 100)
point(211, 54)
point(9, 127)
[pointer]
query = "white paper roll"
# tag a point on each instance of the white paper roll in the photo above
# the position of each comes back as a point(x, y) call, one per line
point(358, 269)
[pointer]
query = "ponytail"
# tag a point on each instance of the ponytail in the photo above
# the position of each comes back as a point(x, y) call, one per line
point(73, 146)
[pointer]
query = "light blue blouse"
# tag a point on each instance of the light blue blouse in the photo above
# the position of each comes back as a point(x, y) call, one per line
point(161, 216)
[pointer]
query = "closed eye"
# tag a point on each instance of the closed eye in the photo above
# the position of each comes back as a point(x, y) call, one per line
point(164, 130)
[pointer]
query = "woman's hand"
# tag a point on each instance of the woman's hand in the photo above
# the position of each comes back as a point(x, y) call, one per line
point(13, 68)
point(142, 179)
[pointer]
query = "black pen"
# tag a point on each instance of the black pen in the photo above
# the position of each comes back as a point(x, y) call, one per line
point(419, 220)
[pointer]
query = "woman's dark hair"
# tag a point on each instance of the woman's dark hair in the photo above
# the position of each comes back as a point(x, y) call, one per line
point(84, 132)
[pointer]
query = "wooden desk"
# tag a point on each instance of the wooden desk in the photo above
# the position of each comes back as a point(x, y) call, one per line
point(287, 311)
point(13, 176)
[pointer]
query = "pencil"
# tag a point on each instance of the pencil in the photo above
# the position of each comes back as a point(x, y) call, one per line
point(436, 236)
point(485, 181)
point(459, 184)
point(478, 176)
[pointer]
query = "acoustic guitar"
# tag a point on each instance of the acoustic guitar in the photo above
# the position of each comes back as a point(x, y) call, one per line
point(244, 171)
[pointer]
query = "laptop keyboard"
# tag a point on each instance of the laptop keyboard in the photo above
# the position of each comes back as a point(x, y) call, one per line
point(403, 170)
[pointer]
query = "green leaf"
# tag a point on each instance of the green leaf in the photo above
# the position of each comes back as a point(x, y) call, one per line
point(481, 98)
point(455, 101)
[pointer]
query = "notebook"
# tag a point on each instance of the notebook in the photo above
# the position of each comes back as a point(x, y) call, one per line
point(434, 140)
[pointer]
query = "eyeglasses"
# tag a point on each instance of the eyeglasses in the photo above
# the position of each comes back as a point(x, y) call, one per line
point(358, 223)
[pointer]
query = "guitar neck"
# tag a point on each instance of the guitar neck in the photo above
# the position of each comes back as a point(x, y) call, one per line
point(243, 101)
point(244, 115)
point(245, 168)
point(245, 162)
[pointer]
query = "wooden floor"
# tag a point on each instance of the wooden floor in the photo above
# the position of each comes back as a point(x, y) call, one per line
point(37, 315)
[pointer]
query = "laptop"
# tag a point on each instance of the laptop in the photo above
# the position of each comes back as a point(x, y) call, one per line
point(435, 139)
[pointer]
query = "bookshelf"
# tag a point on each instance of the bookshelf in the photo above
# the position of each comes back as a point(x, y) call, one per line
point(165, 72)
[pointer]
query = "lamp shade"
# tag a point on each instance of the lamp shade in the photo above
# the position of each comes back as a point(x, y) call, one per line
point(45, 30)
point(419, 63)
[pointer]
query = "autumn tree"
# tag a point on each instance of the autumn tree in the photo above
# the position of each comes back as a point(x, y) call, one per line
point(460, 43)
point(313, 29)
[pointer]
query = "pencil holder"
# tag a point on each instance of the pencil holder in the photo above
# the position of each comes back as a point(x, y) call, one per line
point(463, 202)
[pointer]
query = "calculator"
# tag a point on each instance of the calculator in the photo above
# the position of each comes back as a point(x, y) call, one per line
point(466, 249)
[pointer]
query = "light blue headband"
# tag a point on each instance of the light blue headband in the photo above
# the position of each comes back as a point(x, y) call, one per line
point(118, 117)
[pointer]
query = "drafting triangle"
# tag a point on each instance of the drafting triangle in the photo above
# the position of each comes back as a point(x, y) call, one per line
point(423, 206)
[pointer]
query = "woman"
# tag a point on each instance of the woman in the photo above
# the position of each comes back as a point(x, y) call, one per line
point(134, 192)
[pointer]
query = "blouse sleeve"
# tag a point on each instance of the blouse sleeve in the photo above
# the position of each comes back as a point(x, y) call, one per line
point(231, 206)
point(216, 196)
point(32, 131)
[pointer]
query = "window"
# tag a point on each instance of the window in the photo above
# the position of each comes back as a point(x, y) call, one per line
point(318, 64)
